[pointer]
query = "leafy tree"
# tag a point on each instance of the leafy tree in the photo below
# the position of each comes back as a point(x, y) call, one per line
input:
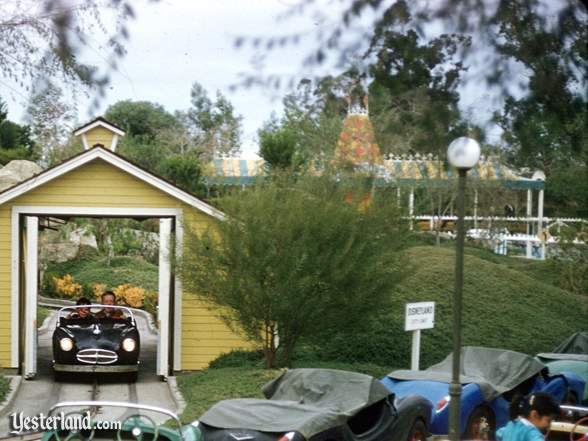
point(315, 114)
point(159, 142)
point(296, 259)
point(184, 171)
point(545, 129)
point(214, 126)
point(143, 151)
point(566, 190)
point(141, 118)
point(413, 97)
point(15, 140)
point(143, 123)
point(278, 146)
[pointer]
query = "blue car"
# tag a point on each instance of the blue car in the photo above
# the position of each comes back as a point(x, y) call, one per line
point(490, 378)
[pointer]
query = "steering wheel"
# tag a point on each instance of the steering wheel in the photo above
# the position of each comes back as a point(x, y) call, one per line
point(75, 435)
point(584, 436)
point(136, 429)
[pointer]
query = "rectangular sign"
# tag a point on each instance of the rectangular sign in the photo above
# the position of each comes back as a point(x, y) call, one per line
point(419, 316)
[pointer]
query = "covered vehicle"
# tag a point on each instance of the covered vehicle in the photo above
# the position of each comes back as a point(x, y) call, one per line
point(319, 404)
point(104, 340)
point(490, 378)
point(570, 356)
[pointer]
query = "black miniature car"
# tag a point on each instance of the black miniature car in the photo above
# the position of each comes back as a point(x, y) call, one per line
point(316, 405)
point(97, 339)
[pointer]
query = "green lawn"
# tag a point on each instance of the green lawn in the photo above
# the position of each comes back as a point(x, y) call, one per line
point(4, 388)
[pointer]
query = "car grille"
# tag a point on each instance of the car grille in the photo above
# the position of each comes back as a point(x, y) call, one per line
point(97, 356)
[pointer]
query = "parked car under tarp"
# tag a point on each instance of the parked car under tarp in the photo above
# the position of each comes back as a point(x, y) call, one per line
point(490, 378)
point(316, 402)
point(496, 371)
point(570, 356)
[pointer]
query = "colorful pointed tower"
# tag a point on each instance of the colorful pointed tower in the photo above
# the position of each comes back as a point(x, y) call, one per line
point(357, 143)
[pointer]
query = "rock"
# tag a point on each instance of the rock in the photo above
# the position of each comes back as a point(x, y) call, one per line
point(55, 248)
point(59, 252)
point(17, 171)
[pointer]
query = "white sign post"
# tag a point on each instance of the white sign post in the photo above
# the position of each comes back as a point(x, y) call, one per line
point(418, 316)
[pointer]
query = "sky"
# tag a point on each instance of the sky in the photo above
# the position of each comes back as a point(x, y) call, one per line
point(176, 42)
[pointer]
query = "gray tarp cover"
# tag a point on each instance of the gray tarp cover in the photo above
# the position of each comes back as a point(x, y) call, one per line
point(305, 400)
point(574, 347)
point(495, 370)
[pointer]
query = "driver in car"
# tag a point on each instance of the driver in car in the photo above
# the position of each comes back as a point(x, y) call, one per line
point(81, 313)
point(109, 299)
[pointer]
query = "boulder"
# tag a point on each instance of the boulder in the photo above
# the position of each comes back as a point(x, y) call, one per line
point(55, 248)
point(17, 171)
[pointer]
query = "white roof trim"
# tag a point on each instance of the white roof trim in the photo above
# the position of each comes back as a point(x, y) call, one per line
point(99, 123)
point(116, 161)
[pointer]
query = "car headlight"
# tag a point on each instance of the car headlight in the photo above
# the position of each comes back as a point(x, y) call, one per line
point(129, 344)
point(66, 344)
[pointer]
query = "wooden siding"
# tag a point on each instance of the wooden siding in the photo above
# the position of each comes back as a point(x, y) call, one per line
point(99, 135)
point(99, 184)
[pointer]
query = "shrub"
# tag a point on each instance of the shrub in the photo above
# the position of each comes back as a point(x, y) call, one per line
point(239, 358)
point(130, 295)
point(299, 258)
point(66, 287)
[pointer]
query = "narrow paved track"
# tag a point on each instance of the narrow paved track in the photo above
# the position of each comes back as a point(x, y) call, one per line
point(38, 395)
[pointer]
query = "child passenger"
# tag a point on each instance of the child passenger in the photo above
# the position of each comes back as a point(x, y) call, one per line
point(530, 418)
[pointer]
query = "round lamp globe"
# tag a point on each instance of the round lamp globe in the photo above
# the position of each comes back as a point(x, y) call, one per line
point(463, 153)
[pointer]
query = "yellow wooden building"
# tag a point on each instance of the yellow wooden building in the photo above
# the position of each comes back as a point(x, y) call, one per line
point(98, 182)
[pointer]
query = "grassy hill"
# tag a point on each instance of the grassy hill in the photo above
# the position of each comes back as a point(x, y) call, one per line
point(95, 269)
point(507, 303)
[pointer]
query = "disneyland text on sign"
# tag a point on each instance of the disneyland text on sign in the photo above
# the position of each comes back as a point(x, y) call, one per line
point(419, 315)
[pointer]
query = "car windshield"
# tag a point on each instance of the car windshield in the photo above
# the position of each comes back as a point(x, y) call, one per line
point(84, 314)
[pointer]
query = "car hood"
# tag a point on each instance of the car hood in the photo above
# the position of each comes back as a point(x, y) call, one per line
point(495, 371)
point(96, 335)
point(431, 390)
point(307, 401)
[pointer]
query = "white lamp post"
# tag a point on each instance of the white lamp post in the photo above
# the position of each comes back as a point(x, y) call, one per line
point(463, 154)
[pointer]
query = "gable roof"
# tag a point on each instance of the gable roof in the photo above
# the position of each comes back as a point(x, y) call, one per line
point(99, 122)
point(118, 162)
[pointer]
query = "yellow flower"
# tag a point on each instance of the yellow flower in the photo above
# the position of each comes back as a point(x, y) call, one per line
point(130, 295)
point(66, 286)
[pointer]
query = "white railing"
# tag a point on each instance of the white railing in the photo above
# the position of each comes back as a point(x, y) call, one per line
point(504, 218)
